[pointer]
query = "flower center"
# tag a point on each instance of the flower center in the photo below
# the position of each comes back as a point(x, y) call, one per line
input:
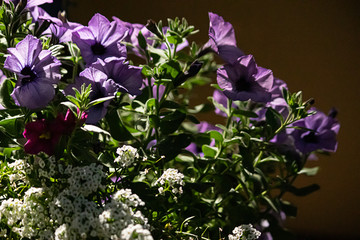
point(30, 75)
point(98, 49)
point(310, 138)
point(45, 135)
point(242, 84)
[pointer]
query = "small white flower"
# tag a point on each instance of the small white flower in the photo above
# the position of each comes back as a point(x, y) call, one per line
point(171, 178)
point(127, 155)
point(244, 232)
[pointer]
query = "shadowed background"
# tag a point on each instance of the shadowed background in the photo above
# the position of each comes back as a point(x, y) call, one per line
point(314, 46)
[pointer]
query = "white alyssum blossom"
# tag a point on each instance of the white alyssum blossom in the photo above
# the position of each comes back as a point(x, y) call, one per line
point(127, 155)
point(244, 232)
point(26, 217)
point(137, 232)
point(171, 178)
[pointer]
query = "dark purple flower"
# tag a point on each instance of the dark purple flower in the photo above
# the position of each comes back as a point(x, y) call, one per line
point(244, 80)
point(128, 78)
point(36, 69)
point(202, 127)
point(60, 27)
point(322, 136)
point(101, 87)
point(222, 39)
point(101, 39)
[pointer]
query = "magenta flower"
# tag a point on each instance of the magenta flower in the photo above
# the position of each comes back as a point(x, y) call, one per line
point(322, 136)
point(43, 135)
point(127, 78)
point(101, 86)
point(36, 69)
point(101, 39)
point(222, 39)
point(244, 80)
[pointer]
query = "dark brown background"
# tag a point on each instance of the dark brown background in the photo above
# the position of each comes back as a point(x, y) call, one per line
point(314, 46)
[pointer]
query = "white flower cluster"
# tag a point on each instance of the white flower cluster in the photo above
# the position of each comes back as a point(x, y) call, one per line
point(120, 221)
point(171, 178)
point(244, 232)
point(127, 155)
point(85, 180)
point(19, 169)
point(26, 217)
point(137, 231)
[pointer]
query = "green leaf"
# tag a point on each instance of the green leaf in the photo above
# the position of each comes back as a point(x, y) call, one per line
point(270, 203)
point(6, 89)
point(150, 104)
point(100, 100)
point(273, 118)
point(171, 122)
point(217, 105)
point(174, 39)
point(209, 151)
point(193, 119)
point(303, 191)
point(147, 71)
point(216, 135)
point(172, 145)
point(142, 40)
point(170, 105)
point(12, 125)
point(117, 129)
point(170, 69)
point(93, 128)
point(309, 171)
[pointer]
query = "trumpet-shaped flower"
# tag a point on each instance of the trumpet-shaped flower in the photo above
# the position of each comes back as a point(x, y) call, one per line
point(101, 39)
point(101, 87)
point(127, 78)
point(244, 80)
point(36, 69)
point(316, 132)
point(222, 39)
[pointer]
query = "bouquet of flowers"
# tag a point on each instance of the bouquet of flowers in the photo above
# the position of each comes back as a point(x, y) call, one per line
point(99, 138)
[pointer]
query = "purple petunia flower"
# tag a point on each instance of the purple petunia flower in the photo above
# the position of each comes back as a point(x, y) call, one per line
point(222, 39)
point(244, 80)
point(101, 39)
point(60, 27)
point(101, 86)
point(36, 69)
point(322, 137)
point(128, 78)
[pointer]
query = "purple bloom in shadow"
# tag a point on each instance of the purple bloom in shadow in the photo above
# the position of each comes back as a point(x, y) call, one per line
point(222, 39)
point(60, 27)
point(101, 86)
point(322, 136)
point(128, 78)
point(2, 78)
point(202, 127)
point(101, 39)
point(36, 69)
point(244, 80)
